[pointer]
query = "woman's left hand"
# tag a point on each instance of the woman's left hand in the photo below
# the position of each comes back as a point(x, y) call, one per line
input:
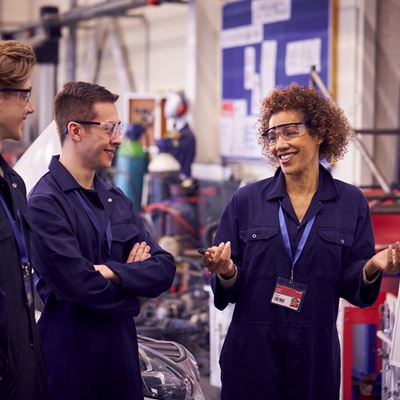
point(387, 260)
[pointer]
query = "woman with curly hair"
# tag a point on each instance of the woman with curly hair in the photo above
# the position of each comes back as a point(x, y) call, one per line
point(286, 249)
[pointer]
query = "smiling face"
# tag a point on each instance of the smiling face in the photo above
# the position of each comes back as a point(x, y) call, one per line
point(300, 155)
point(97, 147)
point(13, 113)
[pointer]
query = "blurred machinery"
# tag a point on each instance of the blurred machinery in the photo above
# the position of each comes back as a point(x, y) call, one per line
point(182, 313)
point(131, 164)
point(179, 141)
point(390, 352)
point(169, 371)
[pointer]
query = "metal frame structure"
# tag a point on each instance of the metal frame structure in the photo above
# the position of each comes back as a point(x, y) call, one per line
point(76, 14)
point(43, 30)
point(315, 80)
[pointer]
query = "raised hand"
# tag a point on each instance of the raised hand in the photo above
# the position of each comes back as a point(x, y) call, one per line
point(387, 260)
point(217, 259)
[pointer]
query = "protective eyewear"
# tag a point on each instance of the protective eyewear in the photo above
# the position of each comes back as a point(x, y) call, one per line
point(110, 128)
point(287, 132)
point(24, 95)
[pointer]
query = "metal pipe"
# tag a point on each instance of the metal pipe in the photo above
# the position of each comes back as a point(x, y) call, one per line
point(318, 81)
point(146, 53)
point(121, 55)
point(71, 46)
point(371, 164)
point(377, 131)
point(83, 13)
point(146, 26)
point(357, 139)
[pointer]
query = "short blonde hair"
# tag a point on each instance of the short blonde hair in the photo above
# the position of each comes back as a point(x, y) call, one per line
point(16, 62)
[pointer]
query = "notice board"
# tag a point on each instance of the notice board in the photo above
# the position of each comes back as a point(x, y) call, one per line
point(266, 43)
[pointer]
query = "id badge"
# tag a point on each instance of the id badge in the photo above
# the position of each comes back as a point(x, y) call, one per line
point(289, 294)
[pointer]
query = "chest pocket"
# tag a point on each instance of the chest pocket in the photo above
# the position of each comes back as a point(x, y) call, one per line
point(124, 235)
point(5, 230)
point(332, 248)
point(260, 252)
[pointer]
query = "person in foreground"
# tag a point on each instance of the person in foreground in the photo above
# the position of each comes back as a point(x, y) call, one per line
point(93, 257)
point(22, 368)
point(286, 249)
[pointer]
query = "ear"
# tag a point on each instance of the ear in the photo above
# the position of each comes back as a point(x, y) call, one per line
point(319, 140)
point(74, 131)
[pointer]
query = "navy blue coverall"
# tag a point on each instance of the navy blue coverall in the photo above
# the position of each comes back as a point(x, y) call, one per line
point(22, 367)
point(271, 352)
point(87, 325)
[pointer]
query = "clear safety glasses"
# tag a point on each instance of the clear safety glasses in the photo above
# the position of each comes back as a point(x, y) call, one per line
point(111, 128)
point(286, 131)
point(24, 95)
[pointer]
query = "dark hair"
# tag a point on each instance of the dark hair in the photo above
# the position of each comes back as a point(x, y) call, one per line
point(16, 62)
point(323, 118)
point(75, 102)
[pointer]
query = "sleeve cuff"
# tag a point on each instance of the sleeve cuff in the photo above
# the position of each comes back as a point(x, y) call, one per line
point(228, 283)
point(375, 277)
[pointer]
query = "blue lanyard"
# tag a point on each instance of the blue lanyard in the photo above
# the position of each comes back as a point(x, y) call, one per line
point(286, 240)
point(95, 221)
point(19, 236)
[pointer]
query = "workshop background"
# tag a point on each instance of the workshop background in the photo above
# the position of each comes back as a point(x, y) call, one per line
point(221, 57)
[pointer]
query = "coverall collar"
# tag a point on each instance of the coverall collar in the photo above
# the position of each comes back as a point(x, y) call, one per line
point(6, 168)
point(327, 189)
point(67, 182)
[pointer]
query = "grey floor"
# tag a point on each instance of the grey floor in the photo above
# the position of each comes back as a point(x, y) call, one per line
point(211, 392)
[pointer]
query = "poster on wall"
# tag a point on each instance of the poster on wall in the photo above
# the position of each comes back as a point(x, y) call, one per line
point(264, 44)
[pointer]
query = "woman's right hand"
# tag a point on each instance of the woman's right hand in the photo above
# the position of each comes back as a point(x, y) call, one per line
point(217, 259)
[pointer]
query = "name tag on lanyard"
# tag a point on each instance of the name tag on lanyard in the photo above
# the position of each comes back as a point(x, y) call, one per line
point(288, 293)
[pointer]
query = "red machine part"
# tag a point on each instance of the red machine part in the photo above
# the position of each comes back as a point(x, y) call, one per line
point(385, 217)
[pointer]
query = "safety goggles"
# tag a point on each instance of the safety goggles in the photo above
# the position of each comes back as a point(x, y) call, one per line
point(287, 132)
point(24, 95)
point(111, 128)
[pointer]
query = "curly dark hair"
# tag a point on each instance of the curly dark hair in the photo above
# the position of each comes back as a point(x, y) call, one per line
point(322, 117)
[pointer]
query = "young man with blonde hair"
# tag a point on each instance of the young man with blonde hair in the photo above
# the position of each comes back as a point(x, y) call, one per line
point(22, 371)
point(93, 256)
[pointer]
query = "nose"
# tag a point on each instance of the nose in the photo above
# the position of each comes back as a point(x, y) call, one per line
point(116, 139)
point(29, 107)
point(280, 142)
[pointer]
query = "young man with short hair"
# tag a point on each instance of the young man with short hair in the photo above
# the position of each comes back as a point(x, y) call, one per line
point(93, 256)
point(22, 370)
